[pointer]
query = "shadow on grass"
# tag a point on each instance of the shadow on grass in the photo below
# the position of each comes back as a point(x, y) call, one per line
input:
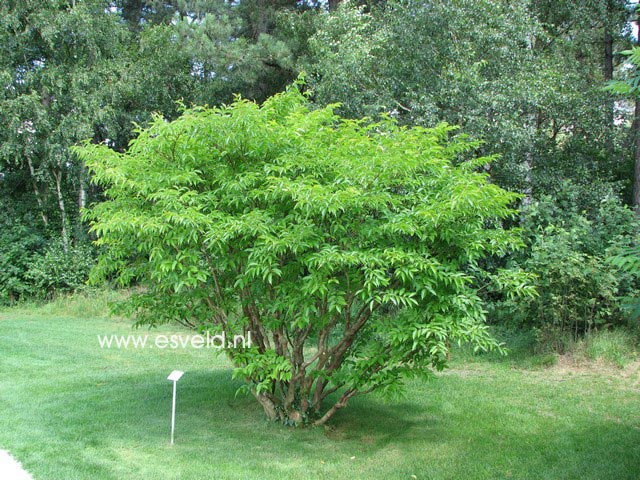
point(138, 407)
point(146, 400)
point(131, 413)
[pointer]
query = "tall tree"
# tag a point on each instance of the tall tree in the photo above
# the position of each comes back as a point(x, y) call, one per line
point(524, 77)
point(58, 64)
point(94, 68)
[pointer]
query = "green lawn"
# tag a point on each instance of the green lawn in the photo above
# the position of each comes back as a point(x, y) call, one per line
point(71, 410)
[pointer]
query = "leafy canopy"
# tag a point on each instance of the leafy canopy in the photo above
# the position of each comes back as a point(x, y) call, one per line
point(341, 245)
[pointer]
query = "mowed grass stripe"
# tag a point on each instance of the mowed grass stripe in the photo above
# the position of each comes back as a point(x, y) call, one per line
point(75, 411)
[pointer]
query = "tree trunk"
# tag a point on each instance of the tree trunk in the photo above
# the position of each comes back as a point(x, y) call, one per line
point(132, 13)
point(36, 192)
point(82, 187)
point(57, 174)
point(635, 201)
point(608, 56)
point(268, 405)
point(607, 71)
point(528, 179)
point(260, 18)
point(341, 403)
point(636, 173)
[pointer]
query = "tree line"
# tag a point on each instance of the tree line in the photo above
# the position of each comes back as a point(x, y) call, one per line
point(523, 80)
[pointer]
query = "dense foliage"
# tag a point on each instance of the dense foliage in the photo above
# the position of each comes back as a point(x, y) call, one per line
point(527, 78)
point(340, 245)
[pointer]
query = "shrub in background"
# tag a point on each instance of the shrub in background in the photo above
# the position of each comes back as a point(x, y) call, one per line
point(19, 244)
point(626, 258)
point(569, 263)
point(58, 271)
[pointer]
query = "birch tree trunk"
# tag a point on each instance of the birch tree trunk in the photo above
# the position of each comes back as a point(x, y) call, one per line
point(37, 193)
point(57, 175)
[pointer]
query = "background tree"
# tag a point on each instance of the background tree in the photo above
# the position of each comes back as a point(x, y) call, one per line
point(59, 61)
point(57, 70)
point(94, 68)
point(525, 78)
